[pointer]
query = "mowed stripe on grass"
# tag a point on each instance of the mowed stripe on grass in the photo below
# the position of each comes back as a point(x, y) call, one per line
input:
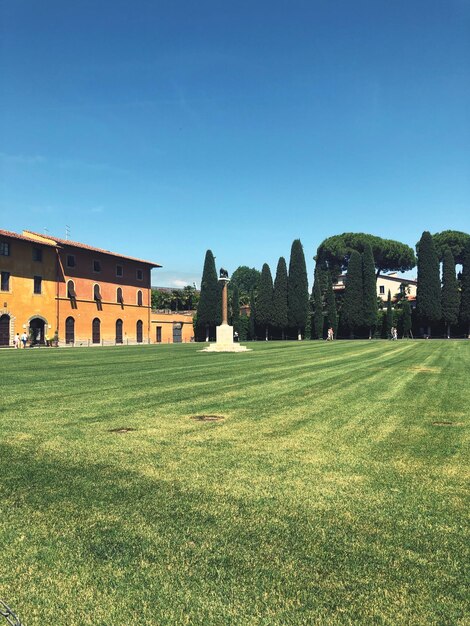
point(325, 495)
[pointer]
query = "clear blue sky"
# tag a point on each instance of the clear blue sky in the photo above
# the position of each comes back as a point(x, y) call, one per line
point(161, 129)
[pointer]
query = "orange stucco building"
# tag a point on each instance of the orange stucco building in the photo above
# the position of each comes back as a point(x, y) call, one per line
point(170, 327)
point(28, 286)
point(81, 294)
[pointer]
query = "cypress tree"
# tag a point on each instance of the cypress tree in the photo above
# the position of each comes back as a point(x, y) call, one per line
point(209, 312)
point(236, 309)
point(308, 333)
point(318, 317)
point(353, 311)
point(280, 319)
point(330, 301)
point(465, 286)
point(450, 297)
point(389, 315)
point(428, 292)
point(369, 289)
point(264, 302)
point(252, 326)
point(297, 288)
point(406, 308)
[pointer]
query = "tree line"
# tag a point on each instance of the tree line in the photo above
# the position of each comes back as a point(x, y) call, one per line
point(442, 298)
point(277, 308)
point(263, 308)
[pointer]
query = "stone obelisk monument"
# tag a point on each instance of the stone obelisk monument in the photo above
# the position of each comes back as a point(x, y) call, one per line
point(224, 333)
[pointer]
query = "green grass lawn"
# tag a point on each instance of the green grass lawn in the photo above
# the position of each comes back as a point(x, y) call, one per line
point(328, 494)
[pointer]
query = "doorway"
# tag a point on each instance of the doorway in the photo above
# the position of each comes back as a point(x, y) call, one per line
point(177, 332)
point(70, 330)
point(36, 331)
point(5, 330)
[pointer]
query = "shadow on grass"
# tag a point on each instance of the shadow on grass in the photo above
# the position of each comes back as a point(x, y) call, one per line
point(102, 538)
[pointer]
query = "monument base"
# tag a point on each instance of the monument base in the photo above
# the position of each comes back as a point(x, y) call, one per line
point(224, 341)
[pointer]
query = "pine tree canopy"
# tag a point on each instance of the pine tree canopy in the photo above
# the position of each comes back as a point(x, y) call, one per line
point(455, 240)
point(280, 319)
point(209, 307)
point(369, 287)
point(264, 302)
point(389, 255)
point(450, 297)
point(428, 293)
point(297, 287)
point(353, 310)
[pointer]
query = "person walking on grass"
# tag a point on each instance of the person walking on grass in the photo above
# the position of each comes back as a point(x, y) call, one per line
point(24, 339)
point(16, 341)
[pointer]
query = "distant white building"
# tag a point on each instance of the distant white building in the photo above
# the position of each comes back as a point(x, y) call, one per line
point(386, 282)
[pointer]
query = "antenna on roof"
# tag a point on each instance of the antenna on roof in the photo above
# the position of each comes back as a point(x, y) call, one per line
point(67, 232)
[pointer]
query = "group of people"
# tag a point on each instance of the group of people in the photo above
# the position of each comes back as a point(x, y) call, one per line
point(20, 342)
point(393, 333)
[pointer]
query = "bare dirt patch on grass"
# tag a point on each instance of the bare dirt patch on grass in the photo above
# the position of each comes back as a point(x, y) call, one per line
point(121, 431)
point(207, 418)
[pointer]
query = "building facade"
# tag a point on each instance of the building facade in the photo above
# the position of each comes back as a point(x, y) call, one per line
point(28, 287)
point(80, 294)
point(387, 282)
point(171, 327)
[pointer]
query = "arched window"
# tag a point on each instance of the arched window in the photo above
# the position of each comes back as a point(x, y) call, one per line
point(97, 296)
point(118, 331)
point(96, 292)
point(71, 290)
point(139, 332)
point(71, 294)
point(119, 298)
point(96, 330)
point(70, 330)
point(139, 298)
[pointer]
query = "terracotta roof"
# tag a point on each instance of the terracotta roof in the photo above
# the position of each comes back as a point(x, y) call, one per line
point(77, 244)
point(8, 233)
